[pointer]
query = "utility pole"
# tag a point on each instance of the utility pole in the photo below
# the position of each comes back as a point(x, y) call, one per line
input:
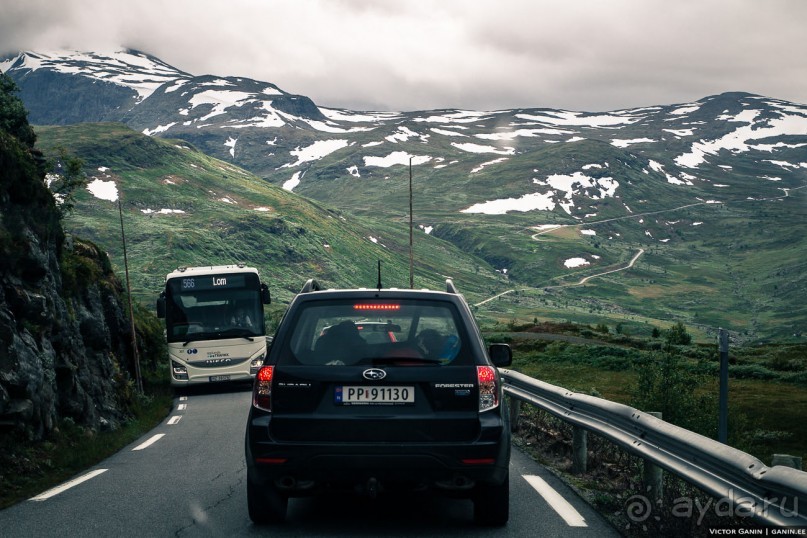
point(138, 377)
point(411, 253)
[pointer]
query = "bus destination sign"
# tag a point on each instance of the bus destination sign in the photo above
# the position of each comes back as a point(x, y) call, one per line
point(208, 282)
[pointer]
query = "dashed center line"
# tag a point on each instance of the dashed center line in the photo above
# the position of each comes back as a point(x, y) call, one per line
point(149, 442)
point(560, 505)
point(173, 420)
point(67, 485)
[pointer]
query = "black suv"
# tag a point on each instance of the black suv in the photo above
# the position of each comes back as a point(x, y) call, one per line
point(415, 403)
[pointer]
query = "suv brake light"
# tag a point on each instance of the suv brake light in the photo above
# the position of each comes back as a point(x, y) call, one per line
point(262, 393)
point(488, 389)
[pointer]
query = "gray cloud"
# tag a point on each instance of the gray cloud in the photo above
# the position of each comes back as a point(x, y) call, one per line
point(419, 54)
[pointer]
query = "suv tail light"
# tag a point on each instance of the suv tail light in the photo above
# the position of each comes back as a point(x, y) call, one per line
point(488, 389)
point(262, 393)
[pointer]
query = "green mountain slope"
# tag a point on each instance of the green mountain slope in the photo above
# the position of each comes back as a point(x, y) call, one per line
point(182, 207)
point(737, 264)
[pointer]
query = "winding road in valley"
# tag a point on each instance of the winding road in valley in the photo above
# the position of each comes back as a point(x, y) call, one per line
point(586, 279)
point(641, 251)
point(580, 283)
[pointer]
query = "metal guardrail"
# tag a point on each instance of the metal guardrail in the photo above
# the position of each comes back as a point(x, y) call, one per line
point(773, 495)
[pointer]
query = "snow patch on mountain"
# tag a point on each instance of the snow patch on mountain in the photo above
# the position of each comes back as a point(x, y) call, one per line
point(685, 109)
point(231, 144)
point(315, 151)
point(221, 100)
point(488, 163)
point(571, 263)
point(478, 148)
point(358, 117)
point(403, 134)
point(564, 117)
point(563, 190)
point(530, 133)
point(293, 182)
point(625, 143)
point(535, 201)
point(158, 129)
point(396, 157)
point(446, 132)
point(163, 211)
point(104, 190)
point(741, 140)
point(658, 167)
point(458, 116)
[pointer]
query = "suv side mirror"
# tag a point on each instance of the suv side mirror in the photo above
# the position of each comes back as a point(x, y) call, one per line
point(500, 354)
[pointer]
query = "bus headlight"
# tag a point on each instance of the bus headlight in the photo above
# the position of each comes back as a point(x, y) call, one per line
point(256, 364)
point(179, 371)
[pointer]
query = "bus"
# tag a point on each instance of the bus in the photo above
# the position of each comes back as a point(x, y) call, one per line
point(214, 323)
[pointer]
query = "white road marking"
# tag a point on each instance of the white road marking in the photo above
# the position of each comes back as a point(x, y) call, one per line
point(183, 398)
point(182, 407)
point(565, 510)
point(149, 442)
point(67, 485)
point(174, 419)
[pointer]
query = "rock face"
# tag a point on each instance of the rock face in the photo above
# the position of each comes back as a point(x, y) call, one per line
point(64, 335)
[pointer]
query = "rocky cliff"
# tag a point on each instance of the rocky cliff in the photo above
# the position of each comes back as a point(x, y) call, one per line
point(64, 335)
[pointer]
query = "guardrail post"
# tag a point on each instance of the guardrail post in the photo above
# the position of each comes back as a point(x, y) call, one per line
point(652, 477)
point(723, 398)
point(515, 413)
point(579, 450)
point(786, 460)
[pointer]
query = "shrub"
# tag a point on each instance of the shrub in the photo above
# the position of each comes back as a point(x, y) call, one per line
point(678, 335)
point(664, 384)
point(752, 371)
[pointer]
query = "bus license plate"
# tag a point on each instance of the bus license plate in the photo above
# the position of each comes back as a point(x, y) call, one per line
point(214, 378)
point(362, 395)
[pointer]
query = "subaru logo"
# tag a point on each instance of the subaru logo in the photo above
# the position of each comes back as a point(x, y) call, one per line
point(374, 374)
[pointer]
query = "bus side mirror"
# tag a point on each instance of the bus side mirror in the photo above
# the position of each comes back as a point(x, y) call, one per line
point(265, 297)
point(161, 306)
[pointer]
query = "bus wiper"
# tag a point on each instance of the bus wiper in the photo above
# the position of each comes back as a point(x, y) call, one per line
point(238, 333)
point(196, 338)
point(218, 335)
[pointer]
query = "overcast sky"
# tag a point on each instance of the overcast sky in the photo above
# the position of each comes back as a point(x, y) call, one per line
point(588, 55)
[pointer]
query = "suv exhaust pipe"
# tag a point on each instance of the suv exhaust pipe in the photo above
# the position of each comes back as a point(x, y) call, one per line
point(372, 487)
point(287, 482)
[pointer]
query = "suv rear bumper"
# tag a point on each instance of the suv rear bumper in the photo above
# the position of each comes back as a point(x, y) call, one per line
point(299, 467)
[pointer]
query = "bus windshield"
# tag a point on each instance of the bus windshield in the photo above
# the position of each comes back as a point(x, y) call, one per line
point(204, 313)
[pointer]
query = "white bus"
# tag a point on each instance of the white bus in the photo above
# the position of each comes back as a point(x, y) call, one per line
point(214, 323)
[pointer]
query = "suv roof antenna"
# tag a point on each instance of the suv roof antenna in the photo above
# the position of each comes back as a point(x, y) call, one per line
point(379, 276)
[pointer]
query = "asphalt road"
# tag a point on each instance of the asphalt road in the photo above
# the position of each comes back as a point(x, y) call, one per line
point(187, 477)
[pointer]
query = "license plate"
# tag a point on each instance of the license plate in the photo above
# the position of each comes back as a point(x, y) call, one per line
point(214, 378)
point(363, 395)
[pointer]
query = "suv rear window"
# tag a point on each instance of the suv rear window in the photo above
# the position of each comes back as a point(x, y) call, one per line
point(347, 332)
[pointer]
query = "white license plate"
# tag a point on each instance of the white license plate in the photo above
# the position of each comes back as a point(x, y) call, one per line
point(214, 378)
point(364, 395)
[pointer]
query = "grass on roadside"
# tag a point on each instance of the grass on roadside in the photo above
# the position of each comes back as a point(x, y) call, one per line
point(27, 469)
point(769, 414)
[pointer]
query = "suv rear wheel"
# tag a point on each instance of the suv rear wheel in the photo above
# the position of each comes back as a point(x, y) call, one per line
point(266, 504)
point(492, 503)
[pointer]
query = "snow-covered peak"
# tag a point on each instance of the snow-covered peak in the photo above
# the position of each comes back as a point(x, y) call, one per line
point(132, 69)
